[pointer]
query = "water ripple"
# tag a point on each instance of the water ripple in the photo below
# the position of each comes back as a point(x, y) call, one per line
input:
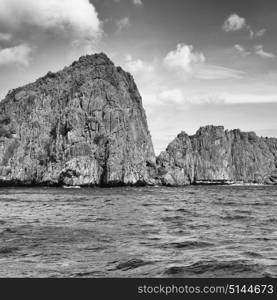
point(139, 232)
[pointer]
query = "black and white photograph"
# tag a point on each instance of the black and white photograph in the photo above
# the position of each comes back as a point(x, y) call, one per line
point(138, 139)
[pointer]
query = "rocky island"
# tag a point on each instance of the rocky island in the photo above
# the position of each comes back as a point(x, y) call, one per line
point(86, 126)
point(217, 156)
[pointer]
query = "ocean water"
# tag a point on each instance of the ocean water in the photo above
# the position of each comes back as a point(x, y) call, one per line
point(197, 231)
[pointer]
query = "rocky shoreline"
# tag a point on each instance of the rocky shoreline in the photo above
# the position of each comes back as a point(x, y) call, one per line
point(86, 126)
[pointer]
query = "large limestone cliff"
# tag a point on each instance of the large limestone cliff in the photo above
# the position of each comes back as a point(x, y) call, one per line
point(214, 155)
point(84, 125)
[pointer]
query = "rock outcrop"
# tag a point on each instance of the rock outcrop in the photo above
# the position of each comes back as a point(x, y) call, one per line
point(214, 155)
point(84, 125)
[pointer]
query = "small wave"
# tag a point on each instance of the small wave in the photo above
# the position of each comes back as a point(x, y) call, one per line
point(272, 221)
point(170, 219)
point(230, 267)
point(9, 200)
point(175, 270)
point(183, 210)
point(102, 219)
point(154, 238)
point(252, 254)
point(95, 248)
point(87, 220)
point(244, 196)
point(225, 203)
point(268, 275)
point(150, 204)
point(242, 211)
point(259, 204)
point(236, 217)
point(8, 250)
point(190, 245)
point(9, 230)
point(132, 264)
point(264, 239)
point(84, 274)
point(213, 268)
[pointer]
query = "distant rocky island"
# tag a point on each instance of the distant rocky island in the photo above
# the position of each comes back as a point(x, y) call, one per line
point(217, 156)
point(86, 126)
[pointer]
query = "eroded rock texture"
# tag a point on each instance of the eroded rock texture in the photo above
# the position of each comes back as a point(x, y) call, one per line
point(84, 125)
point(213, 154)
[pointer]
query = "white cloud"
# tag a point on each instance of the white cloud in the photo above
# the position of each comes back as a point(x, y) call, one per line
point(239, 48)
point(259, 50)
point(76, 19)
point(252, 34)
point(244, 97)
point(210, 72)
point(122, 23)
point(242, 50)
point(16, 55)
point(175, 96)
point(194, 64)
point(233, 23)
point(183, 57)
point(5, 37)
point(261, 32)
point(138, 2)
point(137, 65)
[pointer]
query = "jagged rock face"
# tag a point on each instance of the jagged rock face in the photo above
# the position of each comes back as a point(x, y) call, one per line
point(84, 125)
point(213, 154)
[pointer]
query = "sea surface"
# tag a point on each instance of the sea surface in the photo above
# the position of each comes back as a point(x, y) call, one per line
point(198, 231)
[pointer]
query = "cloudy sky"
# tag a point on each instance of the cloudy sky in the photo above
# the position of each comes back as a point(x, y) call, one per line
point(196, 62)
